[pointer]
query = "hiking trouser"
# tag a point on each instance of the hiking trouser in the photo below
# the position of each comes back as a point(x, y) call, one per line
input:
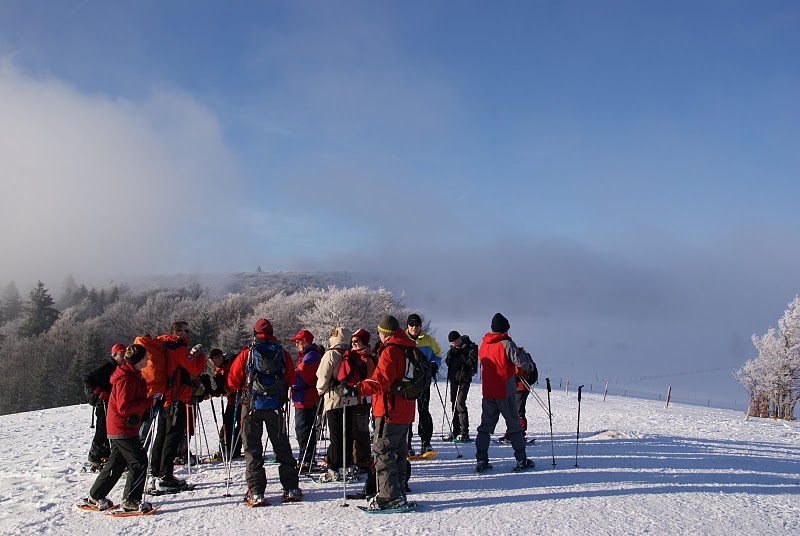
point(100, 448)
point(340, 455)
point(425, 426)
point(491, 409)
point(458, 401)
point(171, 429)
point(252, 431)
point(128, 453)
point(306, 433)
point(391, 450)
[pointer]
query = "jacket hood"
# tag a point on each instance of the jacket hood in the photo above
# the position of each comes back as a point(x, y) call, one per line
point(490, 338)
point(123, 370)
point(340, 338)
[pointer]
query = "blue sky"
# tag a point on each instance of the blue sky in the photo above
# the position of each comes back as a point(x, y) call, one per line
point(635, 161)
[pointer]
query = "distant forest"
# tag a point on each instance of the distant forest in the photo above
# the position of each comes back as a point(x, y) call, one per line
point(46, 343)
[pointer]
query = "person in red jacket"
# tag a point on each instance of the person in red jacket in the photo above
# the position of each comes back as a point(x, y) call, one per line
point(264, 395)
point(305, 398)
point(393, 416)
point(97, 384)
point(500, 359)
point(173, 379)
point(127, 403)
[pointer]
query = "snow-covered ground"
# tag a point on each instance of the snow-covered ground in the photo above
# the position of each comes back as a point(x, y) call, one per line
point(642, 468)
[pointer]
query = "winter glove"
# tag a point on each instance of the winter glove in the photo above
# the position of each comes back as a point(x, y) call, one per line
point(133, 420)
point(434, 370)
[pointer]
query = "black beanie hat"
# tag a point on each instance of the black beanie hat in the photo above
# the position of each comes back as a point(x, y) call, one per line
point(388, 325)
point(413, 320)
point(500, 324)
point(135, 353)
point(453, 335)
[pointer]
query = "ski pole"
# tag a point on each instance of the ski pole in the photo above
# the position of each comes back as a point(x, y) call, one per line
point(203, 428)
point(230, 448)
point(188, 444)
point(305, 449)
point(92, 424)
point(578, 433)
point(455, 443)
point(550, 414)
point(344, 450)
point(152, 437)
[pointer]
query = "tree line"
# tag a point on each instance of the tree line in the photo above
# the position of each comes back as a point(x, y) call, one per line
point(772, 378)
point(46, 345)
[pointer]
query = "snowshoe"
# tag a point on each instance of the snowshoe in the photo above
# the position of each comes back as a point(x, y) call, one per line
point(292, 495)
point(523, 465)
point(482, 466)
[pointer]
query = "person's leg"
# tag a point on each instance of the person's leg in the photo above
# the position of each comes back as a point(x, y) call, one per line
point(175, 432)
point(335, 446)
point(508, 408)
point(425, 429)
point(100, 448)
point(461, 408)
point(109, 475)
point(136, 461)
point(252, 429)
point(287, 468)
point(490, 413)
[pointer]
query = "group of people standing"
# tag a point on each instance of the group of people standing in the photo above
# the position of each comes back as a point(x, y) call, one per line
point(348, 383)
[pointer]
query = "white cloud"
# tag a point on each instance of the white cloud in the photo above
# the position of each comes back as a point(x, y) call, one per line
point(95, 185)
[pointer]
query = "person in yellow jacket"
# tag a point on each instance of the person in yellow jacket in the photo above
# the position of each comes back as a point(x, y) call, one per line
point(431, 349)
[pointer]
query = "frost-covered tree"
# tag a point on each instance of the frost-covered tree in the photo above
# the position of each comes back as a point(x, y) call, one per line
point(772, 378)
point(235, 336)
point(353, 308)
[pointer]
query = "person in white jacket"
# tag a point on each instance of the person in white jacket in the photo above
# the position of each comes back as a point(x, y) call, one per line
point(334, 401)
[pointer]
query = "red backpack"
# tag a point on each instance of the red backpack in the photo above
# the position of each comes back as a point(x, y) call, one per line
point(352, 370)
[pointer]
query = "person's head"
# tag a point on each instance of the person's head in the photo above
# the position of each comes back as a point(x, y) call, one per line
point(500, 324)
point(360, 340)
point(262, 328)
point(340, 336)
point(303, 339)
point(118, 353)
point(216, 356)
point(414, 323)
point(455, 338)
point(180, 328)
point(387, 326)
point(136, 355)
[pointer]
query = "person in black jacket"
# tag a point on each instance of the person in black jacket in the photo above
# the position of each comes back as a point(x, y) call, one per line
point(97, 388)
point(462, 365)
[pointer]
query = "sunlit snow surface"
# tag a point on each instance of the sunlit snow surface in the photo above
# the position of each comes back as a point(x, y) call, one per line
point(642, 469)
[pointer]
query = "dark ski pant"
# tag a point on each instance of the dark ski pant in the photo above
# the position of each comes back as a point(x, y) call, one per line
point(458, 401)
point(362, 444)
point(128, 453)
point(425, 426)
point(100, 448)
point(491, 409)
point(183, 450)
point(171, 429)
point(305, 429)
point(391, 450)
point(340, 454)
point(229, 435)
point(252, 430)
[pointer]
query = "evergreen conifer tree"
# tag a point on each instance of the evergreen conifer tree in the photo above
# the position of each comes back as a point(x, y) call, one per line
point(40, 314)
point(12, 303)
point(90, 354)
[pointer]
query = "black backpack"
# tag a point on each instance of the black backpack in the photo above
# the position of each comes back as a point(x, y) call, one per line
point(267, 375)
point(417, 375)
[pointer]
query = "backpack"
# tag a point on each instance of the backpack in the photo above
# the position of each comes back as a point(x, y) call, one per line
point(266, 369)
point(352, 370)
point(417, 375)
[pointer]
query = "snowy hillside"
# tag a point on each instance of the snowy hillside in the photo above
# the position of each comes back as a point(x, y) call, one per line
point(642, 468)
